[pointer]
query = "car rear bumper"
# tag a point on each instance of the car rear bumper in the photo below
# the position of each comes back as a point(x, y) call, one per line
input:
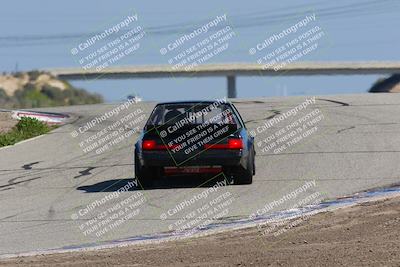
point(204, 158)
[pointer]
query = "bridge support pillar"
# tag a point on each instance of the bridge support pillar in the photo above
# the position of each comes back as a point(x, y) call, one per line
point(231, 87)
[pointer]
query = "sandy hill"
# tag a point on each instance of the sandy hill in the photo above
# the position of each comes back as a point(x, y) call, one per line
point(13, 82)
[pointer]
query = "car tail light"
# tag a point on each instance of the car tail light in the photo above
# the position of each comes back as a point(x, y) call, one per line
point(152, 145)
point(233, 143)
point(149, 144)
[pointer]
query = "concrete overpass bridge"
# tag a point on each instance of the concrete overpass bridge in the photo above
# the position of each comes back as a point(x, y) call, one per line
point(230, 70)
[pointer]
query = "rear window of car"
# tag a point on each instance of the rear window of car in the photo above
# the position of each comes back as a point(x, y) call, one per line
point(193, 113)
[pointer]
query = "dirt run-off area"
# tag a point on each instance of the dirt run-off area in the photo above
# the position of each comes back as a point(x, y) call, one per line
point(6, 122)
point(367, 234)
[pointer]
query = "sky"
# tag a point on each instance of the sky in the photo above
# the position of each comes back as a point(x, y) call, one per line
point(41, 34)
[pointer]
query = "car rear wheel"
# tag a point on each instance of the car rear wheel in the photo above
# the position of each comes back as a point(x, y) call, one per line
point(245, 176)
point(145, 175)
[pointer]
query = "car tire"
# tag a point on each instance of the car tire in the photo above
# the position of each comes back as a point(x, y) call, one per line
point(254, 162)
point(245, 176)
point(143, 174)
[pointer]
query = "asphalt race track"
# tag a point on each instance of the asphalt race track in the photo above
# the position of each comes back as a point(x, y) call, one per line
point(45, 182)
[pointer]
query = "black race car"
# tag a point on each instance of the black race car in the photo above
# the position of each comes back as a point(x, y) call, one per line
point(195, 137)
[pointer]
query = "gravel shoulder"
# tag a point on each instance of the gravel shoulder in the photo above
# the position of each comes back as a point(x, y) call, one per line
point(366, 234)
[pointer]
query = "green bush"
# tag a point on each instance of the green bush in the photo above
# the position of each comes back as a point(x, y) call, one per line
point(53, 93)
point(33, 75)
point(25, 128)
